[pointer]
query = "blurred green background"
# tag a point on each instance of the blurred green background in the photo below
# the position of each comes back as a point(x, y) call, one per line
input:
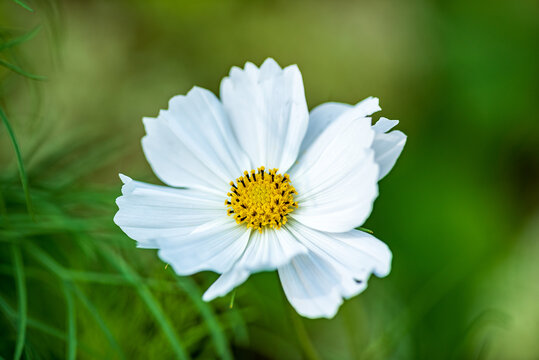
point(460, 210)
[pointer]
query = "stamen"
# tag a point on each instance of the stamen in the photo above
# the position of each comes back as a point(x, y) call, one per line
point(261, 200)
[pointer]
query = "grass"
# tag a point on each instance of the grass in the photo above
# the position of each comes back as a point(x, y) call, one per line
point(20, 164)
point(21, 300)
point(48, 221)
point(23, 4)
point(151, 303)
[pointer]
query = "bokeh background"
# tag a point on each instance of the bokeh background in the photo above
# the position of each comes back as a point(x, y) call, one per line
point(460, 210)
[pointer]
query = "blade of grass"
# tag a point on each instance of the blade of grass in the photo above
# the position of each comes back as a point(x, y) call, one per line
point(46, 329)
point(55, 152)
point(21, 39)
point(98, 319)
point(3, 209)
point(21, 299)
point(74, 275)
point(93, 158)
point(217, 334)
point(71, 346)
point(24, 5)
point(239, 326)
point(131, 277)
point(97, 277)
point(22, 172)
point(148, 298)
point(70, 289)
point(46, 260)
point(20, 71)
point(305, 342)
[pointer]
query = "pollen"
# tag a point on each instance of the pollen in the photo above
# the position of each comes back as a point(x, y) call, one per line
point(261, 199)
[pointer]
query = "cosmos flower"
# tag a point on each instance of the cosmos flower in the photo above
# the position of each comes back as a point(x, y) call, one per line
point(257, 183)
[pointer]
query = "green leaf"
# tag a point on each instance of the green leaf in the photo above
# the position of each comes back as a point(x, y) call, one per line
point(239, 326)
point(150, 301)
point(3, 209)
point(44, 328)
point(71, 350)
point(21, 39)
point(305, 342)
point(21, 299)
point(46, 260)
point(20, 71)
point(216, 332)
point(24, 5)
point(22, 171)
point(95, 314)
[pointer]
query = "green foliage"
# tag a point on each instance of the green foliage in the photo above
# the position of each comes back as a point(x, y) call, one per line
point(20, 71)
point(20, 164)
point(22, 299)
point(23, 4)
point(54, 229)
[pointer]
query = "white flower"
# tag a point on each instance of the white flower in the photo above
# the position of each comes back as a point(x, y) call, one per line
point(221, 214)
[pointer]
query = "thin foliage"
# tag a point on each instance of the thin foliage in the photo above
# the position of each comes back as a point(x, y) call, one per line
point(21, 39)
point(23, 4)
point(16, 69)
point(20, 164)
point(59, 231)
point(21, 300)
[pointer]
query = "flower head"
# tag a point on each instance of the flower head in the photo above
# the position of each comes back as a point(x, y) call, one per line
point(257, 183)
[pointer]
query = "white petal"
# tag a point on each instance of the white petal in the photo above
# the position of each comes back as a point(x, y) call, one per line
point(275, 249)
point(324, 114)
point(225, 283)
point(191, 144)
point(336, 178)
point(172, 162)
point(312, 286)
point(268, 112)
point(216, 247)
point(269, 249)
point(338, 266)
point(387, 145)
point(358, 252)
point(149, 213)
point(384, 125)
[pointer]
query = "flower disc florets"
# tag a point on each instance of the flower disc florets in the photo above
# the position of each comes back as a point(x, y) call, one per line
point(262, 198)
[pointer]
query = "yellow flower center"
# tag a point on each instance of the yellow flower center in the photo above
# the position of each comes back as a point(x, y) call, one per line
point(261, 199)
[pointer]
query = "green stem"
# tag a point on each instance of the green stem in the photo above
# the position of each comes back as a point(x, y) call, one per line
point(71, 324)
point(150, 301)
point(22, 301)
point(24, 5)
point(20, 71)
point(306, 345)
point(22, 171)
point(21, 39)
